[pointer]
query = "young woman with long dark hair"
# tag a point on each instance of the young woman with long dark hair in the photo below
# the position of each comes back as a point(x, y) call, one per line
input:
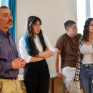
point(84, 71)
point(34, 47)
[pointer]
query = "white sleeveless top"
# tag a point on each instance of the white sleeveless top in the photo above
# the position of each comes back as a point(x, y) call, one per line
point(87, 51)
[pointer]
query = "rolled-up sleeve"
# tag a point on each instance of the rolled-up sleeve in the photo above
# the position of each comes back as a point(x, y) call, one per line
point(22, 50)
point(4, 67)
point(48, 43)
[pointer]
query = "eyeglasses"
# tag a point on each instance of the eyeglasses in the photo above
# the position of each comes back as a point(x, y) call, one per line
point(35, 25)
point(91, 25)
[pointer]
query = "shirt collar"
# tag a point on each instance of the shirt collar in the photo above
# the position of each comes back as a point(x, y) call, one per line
point(6, 34)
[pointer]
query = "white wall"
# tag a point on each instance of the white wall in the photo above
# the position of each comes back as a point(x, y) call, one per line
point(53, 14)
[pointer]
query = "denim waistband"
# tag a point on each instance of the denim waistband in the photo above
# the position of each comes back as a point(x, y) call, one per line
point(86, 65)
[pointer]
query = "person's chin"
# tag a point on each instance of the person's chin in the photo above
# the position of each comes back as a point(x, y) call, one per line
point(92, 31)
point(38, 32)
point(10, 26)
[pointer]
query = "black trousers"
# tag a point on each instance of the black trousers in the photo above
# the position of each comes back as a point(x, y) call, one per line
point(36, 77)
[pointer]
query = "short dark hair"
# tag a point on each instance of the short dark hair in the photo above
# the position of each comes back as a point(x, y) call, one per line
point(3, 7)
point(69, 23)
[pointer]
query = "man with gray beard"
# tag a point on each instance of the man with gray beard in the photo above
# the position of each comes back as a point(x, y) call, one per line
point(10, 63)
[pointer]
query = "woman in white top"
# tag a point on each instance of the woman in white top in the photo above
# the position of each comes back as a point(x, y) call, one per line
point(34, 47)
point(84, 67)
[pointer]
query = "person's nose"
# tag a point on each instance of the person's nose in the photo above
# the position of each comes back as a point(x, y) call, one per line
point(38, 27)
point(10, 17)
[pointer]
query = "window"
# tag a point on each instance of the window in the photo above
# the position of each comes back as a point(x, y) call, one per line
point(0, 2)
point(84, 11)
point(91, 8)
point(4, 2)
point(81, 15)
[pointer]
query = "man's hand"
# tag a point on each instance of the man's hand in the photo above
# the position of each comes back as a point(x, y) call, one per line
point(59, 75)
point(22, 63)
point(18, 63)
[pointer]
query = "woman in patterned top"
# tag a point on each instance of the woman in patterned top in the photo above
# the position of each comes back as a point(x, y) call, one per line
point(84, 67)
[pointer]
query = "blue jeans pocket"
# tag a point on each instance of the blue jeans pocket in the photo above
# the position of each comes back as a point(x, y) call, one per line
point(91, 71)
point(82, 70)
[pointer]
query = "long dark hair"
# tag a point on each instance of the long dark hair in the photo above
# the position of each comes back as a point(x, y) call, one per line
point(86, 29)
point(30, 35)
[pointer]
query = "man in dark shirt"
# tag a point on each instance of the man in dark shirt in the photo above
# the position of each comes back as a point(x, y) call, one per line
point(9, 61)
point(67, 46)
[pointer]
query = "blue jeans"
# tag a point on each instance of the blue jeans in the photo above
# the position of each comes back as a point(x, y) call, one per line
point(86, 78)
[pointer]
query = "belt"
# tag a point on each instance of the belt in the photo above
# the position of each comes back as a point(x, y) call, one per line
point(87, 65)
point(13, 78)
